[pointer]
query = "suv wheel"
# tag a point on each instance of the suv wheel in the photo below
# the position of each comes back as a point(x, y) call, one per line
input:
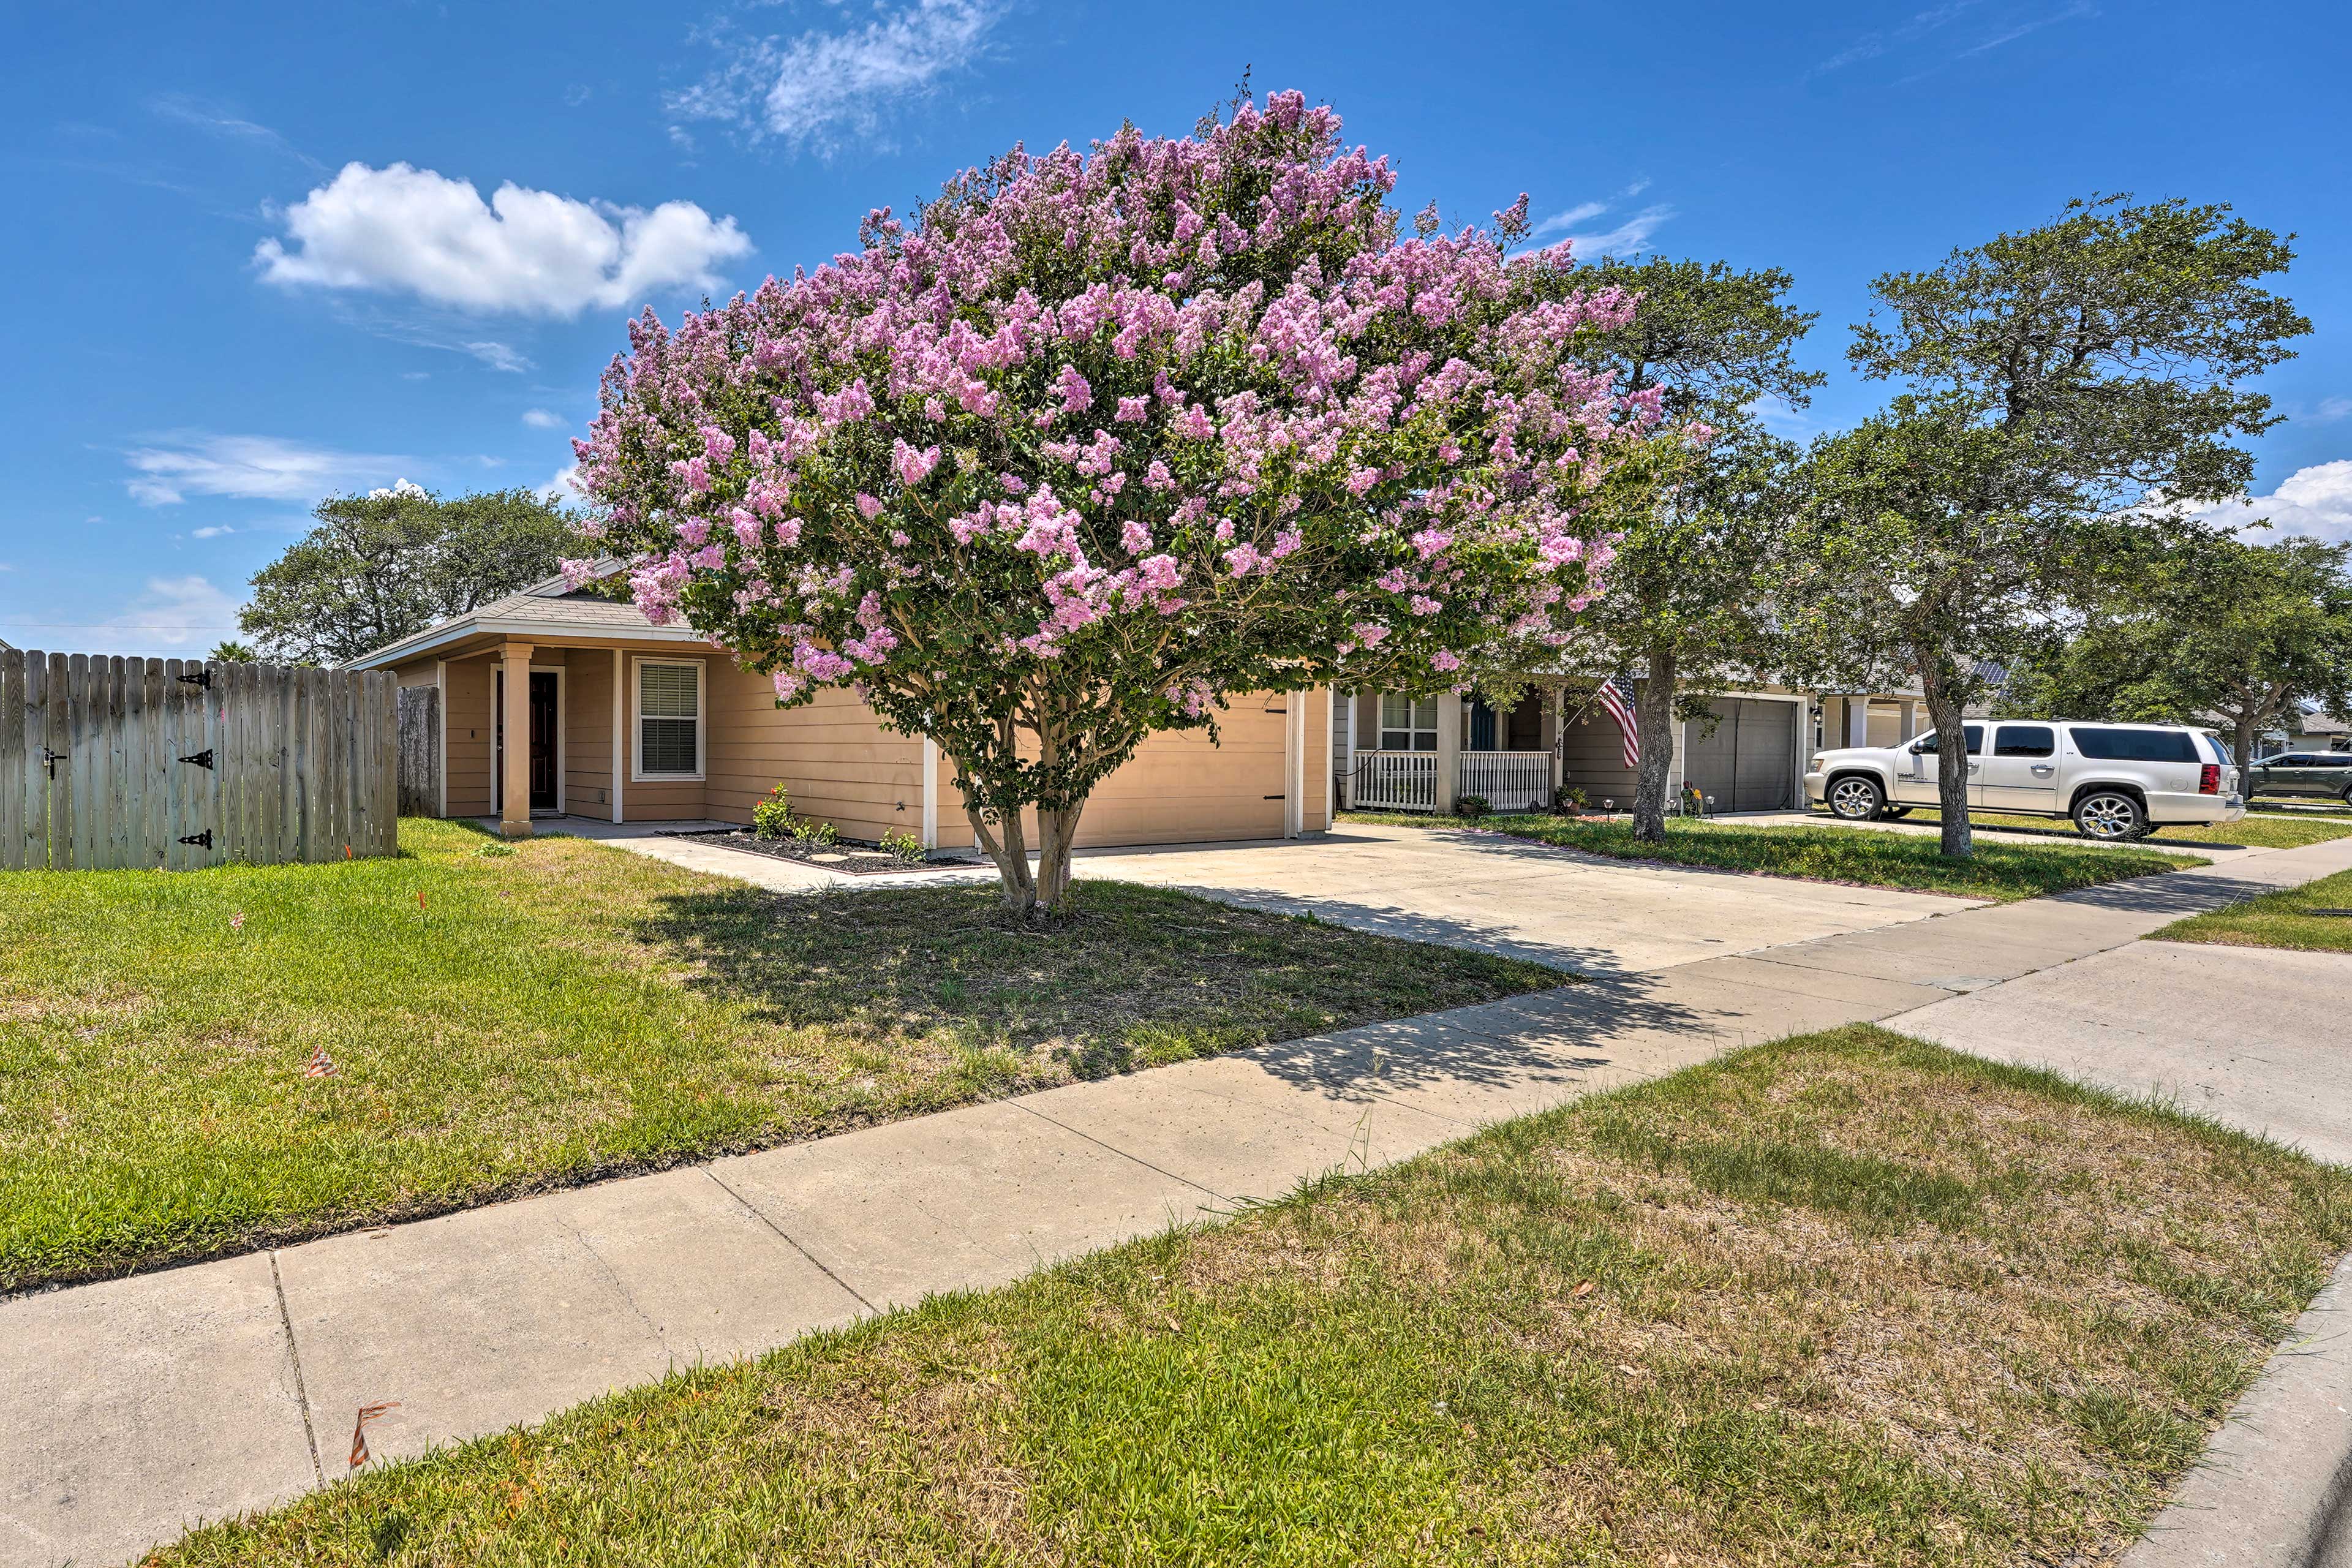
point(1857, 799)
point(2110, 814)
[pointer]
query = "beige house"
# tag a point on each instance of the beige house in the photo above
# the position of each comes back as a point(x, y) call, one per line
point(622, 720)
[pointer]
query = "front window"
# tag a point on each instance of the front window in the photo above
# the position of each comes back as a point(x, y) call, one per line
point(670, 719)
point(1408, 724)
point(1928, 745)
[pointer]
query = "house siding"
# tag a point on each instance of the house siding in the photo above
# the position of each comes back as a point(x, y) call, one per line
point(841, 766)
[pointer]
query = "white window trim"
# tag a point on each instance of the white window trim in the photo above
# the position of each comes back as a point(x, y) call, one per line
point(1412, 728)
point(637, 773)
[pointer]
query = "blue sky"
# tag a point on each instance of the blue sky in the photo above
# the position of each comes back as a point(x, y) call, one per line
point(263, 253)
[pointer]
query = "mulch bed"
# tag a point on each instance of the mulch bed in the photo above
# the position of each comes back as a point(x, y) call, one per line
point(851, 858)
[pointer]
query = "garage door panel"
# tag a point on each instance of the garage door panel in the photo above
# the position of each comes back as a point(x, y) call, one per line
point(1748, 763)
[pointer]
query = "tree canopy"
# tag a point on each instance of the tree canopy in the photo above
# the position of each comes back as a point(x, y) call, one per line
point(2054, 378)
point(1685, 602)
point(379, 567)
point(2191, 626)
point(1103, 440)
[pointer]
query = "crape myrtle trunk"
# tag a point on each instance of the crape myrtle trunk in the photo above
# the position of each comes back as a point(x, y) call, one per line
point(1653, 722)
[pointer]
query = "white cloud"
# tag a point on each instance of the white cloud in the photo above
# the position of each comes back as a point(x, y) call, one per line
point(542, 420)
point(217, 530)
point(174, 614)
point(565, 486)
point(258, 468)
point(407, 230)
point(217, 121)
point(2316, 501)
point(397, 488)
point(2331, 409)
point(821, 87)
point(1630, 237)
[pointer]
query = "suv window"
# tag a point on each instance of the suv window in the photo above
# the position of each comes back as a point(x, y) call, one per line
point(2221, 747)
point(2135, 745)
point(2024, 741)
point(1973, 732)
point(2332, 760)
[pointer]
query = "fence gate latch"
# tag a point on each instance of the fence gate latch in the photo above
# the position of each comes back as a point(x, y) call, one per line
point(201, 840)
point(202, 759)
point(201, 678)
point(51, 759)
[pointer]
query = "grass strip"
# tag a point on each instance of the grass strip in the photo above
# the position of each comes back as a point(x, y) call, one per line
point(2314, 917)
point(1828, 853)
point(1842, 1299)
point(501, 1020)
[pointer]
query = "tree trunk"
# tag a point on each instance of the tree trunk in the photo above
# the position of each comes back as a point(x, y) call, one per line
point(2243, 737)
point(1058, 834)
point(1951, 760)
point(1005, 845)
point(1654, 721)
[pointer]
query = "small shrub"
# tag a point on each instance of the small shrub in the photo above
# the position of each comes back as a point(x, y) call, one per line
point(817, 834)
point(1472, 805)
point(904, 845)
point(492, 851)
point(772, 817)
point(1572, 800)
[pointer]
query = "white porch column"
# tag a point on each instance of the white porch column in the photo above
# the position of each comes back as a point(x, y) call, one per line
point(1910, 719)
point(1857, 720)
point(1348, 784)
point(1449, 751)
point(514, 742)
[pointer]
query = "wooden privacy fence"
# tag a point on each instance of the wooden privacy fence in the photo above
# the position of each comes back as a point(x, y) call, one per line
point(171, 764)
point(420, 751)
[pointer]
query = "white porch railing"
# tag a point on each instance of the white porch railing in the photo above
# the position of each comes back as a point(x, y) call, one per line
point(1511, 780)
point(1396, 781)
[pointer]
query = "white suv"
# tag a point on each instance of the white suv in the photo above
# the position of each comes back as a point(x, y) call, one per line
point(2115, 781)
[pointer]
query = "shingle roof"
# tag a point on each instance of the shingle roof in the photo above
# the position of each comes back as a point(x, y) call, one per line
point(547, 607)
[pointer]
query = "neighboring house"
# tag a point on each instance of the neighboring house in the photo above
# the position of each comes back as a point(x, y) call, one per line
point(626, 721)
point(1391, 753)
point(2309, 731)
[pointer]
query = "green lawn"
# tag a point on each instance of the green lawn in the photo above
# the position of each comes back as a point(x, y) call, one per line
point(1842, 1300)
point(2315, 917)
point(1864, 856)
point(503, 1021)
point(2257, 830)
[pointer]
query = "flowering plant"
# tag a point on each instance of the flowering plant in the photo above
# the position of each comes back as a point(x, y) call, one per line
point(1104, 438)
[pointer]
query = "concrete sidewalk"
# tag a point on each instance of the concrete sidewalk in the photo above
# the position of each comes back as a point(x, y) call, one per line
point(132, 1407)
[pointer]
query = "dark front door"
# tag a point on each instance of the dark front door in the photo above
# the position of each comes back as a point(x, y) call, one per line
point(542, 741)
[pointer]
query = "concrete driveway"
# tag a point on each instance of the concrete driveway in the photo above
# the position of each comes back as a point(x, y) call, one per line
point(1570, 910)
point(1559, 907)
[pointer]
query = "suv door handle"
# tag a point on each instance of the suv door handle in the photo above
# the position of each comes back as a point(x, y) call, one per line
point(2043, 769)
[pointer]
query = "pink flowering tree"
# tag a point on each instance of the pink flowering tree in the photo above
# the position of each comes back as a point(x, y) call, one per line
point(1102, 439)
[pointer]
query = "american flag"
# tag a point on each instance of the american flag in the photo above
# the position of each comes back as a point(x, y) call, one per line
point(1620, 708)
point(320, 1064)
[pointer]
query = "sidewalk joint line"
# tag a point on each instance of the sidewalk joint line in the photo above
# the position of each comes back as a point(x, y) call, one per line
point(294, 1357)
point(814, 1261)
point(1122, 1154)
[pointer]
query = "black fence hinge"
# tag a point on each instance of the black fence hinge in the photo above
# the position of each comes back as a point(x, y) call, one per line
point(201, 840)
point(201, 678)
point(202, 759)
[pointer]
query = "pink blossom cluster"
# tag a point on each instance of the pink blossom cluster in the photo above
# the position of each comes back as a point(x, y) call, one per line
point(1175, 417)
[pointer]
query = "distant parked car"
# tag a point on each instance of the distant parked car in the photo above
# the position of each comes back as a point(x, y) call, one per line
point(2115, 781)
point(2324, 774)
